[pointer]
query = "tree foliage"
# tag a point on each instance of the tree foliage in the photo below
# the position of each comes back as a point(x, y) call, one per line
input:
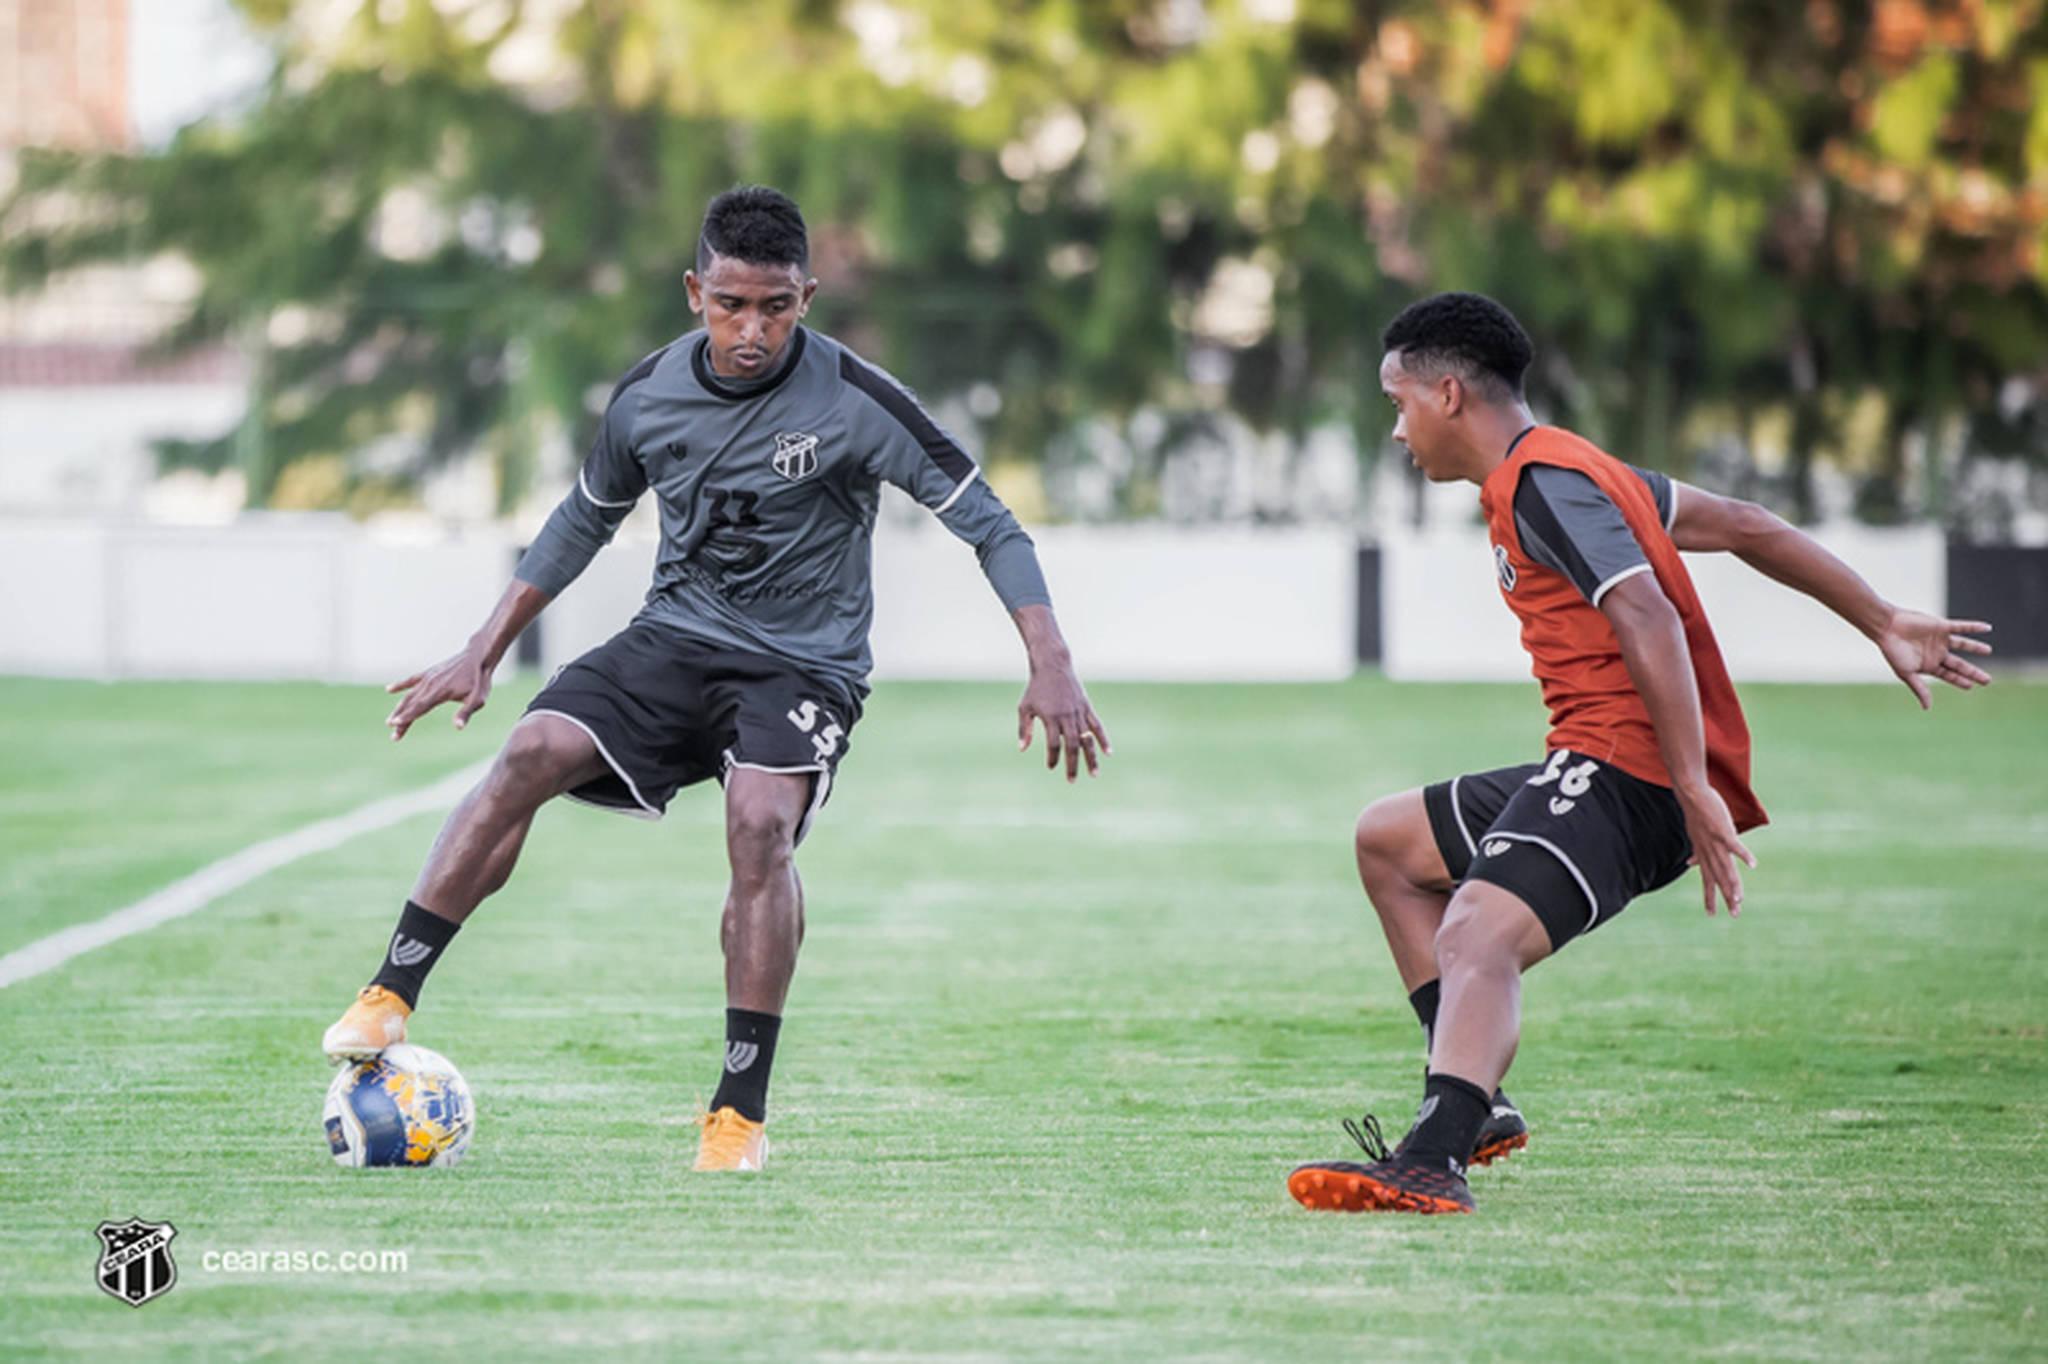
point(450, 222)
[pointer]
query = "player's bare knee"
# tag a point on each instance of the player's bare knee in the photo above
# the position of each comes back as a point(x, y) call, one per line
point(1393, 839)
point(1378, 833)
point(534, 759)
point(1491, 930)
point(760, 836)
point(1473, 936)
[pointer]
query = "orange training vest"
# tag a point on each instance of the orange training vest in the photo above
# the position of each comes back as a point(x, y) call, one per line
point(1594, 706)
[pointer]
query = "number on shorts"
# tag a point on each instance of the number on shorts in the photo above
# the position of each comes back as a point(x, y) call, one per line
point(1572, 781)
point(826, 740)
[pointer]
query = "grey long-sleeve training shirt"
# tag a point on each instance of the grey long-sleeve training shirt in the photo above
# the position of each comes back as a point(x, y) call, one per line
point(768, 493)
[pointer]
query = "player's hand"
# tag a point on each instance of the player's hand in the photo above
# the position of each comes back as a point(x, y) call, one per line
point(1055, 699)
point(1715, 847)
point(1918, 646)
point(465, 678)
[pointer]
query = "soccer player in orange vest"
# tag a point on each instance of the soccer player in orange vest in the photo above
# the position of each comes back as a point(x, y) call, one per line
point(1647, 767)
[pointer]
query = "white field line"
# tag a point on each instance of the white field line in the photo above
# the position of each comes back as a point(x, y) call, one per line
point(209, 883)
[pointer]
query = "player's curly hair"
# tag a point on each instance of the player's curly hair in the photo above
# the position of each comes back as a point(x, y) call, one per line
point(756, 224)
point(1468, 335)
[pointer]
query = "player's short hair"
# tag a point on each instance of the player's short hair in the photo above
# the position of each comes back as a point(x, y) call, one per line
point(756, 224)
point(1468, 335)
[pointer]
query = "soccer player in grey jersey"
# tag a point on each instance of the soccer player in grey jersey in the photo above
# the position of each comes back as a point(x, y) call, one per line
point(765, 445)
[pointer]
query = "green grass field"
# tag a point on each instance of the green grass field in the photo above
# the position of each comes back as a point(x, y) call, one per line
point(1050, 1053)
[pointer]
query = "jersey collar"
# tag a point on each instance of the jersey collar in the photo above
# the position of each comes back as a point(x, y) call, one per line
point(1491, 487)
point(700, 365)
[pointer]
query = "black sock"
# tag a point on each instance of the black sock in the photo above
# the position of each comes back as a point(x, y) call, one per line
point(749, 1052)
point(1424, 1002)
point(1453, 1111)
point(415, 946)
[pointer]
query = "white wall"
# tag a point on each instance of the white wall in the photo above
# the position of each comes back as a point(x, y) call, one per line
point(1133, 602)
point(55, 598)
point(273, 597)
point(1443, 618)
point(320, 597)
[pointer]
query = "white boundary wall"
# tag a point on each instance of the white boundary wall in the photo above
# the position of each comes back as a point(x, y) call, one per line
point(284, 597)
point(318, 597)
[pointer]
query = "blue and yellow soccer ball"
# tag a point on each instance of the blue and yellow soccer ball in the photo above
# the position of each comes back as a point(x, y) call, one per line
point(410, 1107)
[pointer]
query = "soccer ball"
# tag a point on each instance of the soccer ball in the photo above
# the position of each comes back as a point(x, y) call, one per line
point(409, 1107)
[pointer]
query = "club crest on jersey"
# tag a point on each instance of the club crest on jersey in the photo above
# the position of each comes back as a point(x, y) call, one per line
point(135, 1260)
point(1504, 567)
point(796, 454)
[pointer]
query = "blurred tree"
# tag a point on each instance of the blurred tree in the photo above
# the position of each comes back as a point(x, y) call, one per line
point(1741, 204)
point(1107, 224)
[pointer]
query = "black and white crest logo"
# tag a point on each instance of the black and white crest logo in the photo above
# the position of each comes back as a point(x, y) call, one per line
point(136, 1263)
point(796, 454)
point(1504, 567)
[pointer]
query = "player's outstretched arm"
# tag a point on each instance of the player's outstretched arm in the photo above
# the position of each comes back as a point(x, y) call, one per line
point(1055, 698)
point(466, 677)
point(1914, 644)
point(1652, 639)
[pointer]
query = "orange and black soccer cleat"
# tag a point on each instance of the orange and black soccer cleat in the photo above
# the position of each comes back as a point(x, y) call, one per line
point(375, 1021)
point(1394, 1182)
point(1400, 1183)
point(1505, 1131)
point(731, 1142)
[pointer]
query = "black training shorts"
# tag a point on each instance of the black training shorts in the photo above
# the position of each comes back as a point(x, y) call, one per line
point(667, 711)
point(1576, 838)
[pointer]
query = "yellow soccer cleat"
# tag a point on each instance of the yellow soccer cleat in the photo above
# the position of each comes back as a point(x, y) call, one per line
point(375, 1021)
point(731, 1142)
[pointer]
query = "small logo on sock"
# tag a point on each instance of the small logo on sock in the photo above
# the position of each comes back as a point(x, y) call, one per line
point(740, 1055)
point(408, 951)
point(1428, 1107)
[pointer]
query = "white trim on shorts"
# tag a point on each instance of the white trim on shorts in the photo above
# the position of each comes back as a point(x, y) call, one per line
point(645, 811)
point(1458, 817)
point(1592, 902)
point(819, 789)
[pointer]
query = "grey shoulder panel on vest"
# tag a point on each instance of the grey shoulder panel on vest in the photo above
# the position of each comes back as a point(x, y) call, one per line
point(1567, 524)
